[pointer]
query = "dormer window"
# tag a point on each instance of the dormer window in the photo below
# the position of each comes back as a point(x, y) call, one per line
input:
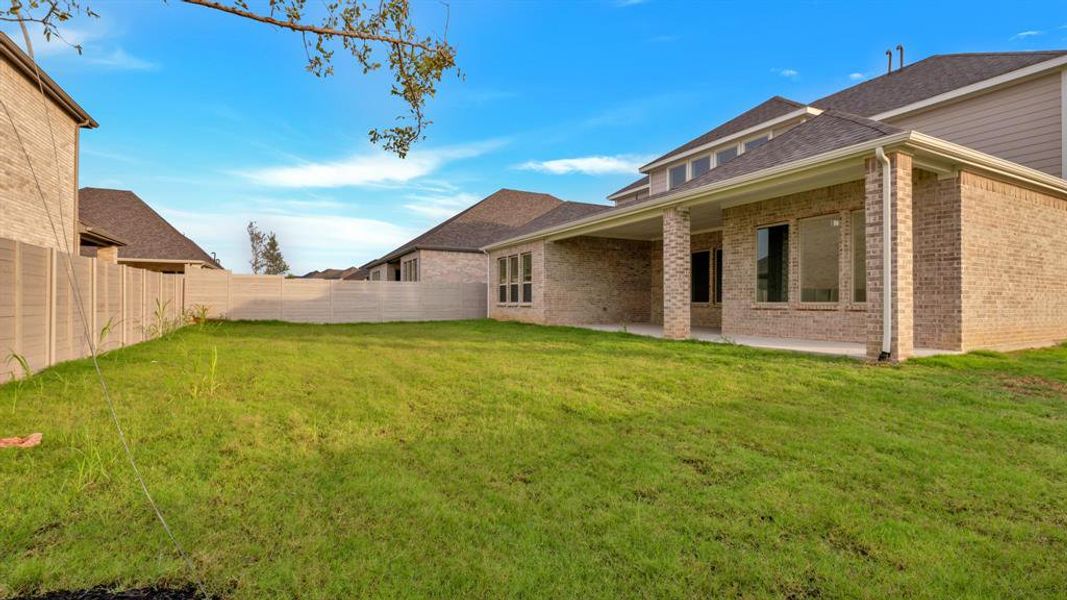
point(756, 142)
point(724, 156)
point(700, 166)
point(676, 176)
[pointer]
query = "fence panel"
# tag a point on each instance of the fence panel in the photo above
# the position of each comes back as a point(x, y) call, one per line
point(40, 317)
point(262, 297)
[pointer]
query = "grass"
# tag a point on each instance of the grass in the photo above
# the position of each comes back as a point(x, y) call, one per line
point(482, 459)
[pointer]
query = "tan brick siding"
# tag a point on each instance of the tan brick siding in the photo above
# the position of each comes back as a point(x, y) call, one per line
point(22, 215)
point(742, 315)
point(936, 264)
point(1014, 265)
point(597, 280)
point(452, 267)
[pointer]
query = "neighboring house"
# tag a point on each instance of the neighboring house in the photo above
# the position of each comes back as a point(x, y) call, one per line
point(452, 251)
point(27, 125)
point(148, 240)
point(774, 223)
point(349, 274)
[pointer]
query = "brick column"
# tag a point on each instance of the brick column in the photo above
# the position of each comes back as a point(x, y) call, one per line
point(676, 273)
point(900, 261)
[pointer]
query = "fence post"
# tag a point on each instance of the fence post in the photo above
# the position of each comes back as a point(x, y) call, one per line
point(329, 282)
point(124, 311)
point(281, 297)
point(92, 305)
point(17, 349)
point(52, 300)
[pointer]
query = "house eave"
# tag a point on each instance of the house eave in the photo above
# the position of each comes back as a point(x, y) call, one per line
point(947, 153)
point(25, 65)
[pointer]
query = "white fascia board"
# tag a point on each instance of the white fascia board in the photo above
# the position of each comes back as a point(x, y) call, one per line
point(806, 111)
point(974, 88)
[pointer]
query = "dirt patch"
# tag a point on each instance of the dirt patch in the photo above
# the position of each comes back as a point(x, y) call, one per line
point(106, 593)
point(1031, 385)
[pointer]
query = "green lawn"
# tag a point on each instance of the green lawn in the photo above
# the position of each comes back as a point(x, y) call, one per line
point(482, 459)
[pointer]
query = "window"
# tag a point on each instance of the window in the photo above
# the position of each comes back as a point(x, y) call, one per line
point(820, 262)
point(718, 276)
point(757, 142)
point(677, 176)
point(724, 156)
point(527, 277)
point(376, 275)
point(859, 256)
point(502, 280)
point(700, 166)
point(409, 270)
point(513, 278)
point(700, 276)
point(772, 264)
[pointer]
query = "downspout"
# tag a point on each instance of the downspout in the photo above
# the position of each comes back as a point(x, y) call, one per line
point(887, 254)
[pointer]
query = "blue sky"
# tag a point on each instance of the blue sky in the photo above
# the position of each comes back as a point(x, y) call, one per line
point(214, 121)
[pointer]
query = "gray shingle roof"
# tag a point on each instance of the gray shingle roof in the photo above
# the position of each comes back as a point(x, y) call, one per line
point(564, 213)
point(147, 235)
point(494, 218)
point(640, 183)
point(829, 131)
point(770, 109)
point(928, 78)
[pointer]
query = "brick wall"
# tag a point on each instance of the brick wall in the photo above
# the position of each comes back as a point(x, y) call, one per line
point(1014, 265)
point(676, 273)
point(453, 267)
point(702, 314)
point(581, 280)
point(936, 267)
point(23, 216)
point(742, 315)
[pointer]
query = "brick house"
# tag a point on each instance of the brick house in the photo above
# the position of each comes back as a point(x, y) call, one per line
point(141, 237)
point(29, 122)
point(920, 210)
point(452, 251)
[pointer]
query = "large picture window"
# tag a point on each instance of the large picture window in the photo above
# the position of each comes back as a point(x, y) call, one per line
point(772, 264)
point(820, 259)
point(515, 279)
point(700, 277)
point(859, 256)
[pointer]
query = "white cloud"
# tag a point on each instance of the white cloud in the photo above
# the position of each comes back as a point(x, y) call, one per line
point(587, 165)
point(308, 241)
point(625, 3)
point(856, 76)
point(118, 58)
point(1026, 34)
point(787, 73)
point(368, 169)
point(439, 206)
point(97, 41)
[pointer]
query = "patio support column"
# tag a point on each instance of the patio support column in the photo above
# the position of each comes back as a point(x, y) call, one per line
point(900, 261)
point(676, 273)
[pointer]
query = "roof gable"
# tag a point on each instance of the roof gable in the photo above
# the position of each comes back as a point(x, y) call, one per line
point(770, 109)
point(928, 78)
point(495, 217)
point(146, 233)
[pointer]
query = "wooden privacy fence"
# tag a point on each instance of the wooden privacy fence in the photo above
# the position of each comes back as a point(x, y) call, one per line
point(40, 321)
point(273, 297)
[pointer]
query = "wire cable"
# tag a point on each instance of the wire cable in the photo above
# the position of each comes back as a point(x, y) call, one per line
point(72, 280)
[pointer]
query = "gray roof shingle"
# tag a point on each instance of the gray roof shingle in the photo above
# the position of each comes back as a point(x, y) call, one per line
point(146, 233)
point(640, 183)
point(928, 78)
point(564, 213)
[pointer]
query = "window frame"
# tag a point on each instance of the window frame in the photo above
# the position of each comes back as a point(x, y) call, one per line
point(409, 270)
point(685, 176)
point(717, 262)
point(800, 258)
point(691, 170)
point(744, 144)
point(737, 152)
point(512, 281)
point(786, 301)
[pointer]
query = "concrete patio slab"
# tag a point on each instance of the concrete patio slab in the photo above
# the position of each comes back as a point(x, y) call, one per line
point(707, 334)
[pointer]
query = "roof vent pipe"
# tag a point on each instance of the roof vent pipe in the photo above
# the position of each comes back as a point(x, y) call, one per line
point(889, 62)
point(900, 49)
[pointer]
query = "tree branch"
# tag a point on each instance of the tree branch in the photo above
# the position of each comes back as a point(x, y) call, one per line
point(301, 27)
